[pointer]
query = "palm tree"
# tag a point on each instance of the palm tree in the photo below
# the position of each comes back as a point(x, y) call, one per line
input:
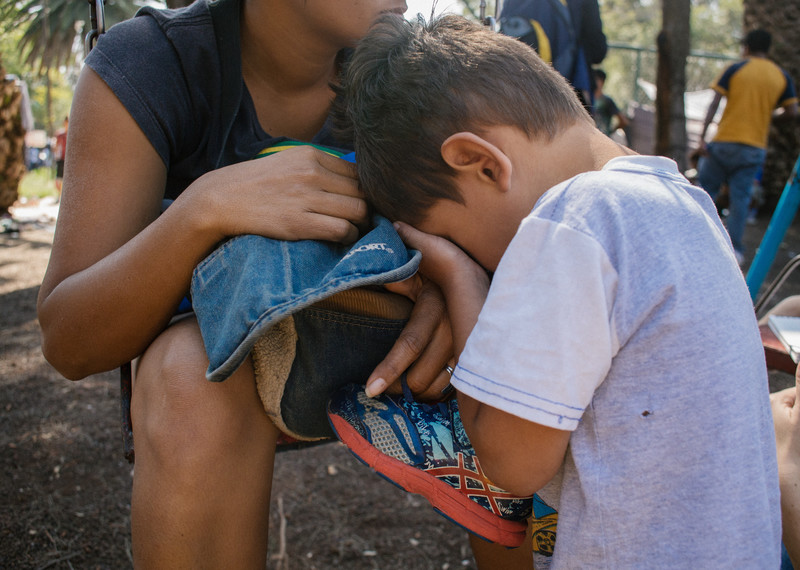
point(12, 162)
point(52, 25)
point(780, 18)
point(50, 29)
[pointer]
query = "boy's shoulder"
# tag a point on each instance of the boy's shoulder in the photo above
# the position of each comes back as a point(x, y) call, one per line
point(610, 205)
point(620, 176)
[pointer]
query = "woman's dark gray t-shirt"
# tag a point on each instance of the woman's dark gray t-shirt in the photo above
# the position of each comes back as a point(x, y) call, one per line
point(178, 73)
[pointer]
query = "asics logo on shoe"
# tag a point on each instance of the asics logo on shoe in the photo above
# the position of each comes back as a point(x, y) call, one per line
point(468, 477)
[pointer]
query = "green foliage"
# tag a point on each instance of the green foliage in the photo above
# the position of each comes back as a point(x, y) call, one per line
point(50, 27)
point(715, 29)
point(38, 183)
point(12, 58)
point(717, 26)
point(60, 95)
point(42, 40)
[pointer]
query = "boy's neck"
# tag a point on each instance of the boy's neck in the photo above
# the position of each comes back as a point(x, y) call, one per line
point(501, 181)
point(577, 149)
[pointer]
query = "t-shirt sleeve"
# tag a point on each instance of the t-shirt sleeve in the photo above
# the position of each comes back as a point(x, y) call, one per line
point(789, 94)
point(544, 339)
point(138, 62)
point(723, 82)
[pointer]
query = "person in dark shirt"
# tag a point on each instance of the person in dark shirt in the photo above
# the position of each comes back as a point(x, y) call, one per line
point(607, 116)
point(173, 104)
point(754, 89)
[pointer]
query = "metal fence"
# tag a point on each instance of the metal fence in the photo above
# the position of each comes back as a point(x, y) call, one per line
point(626, 65)
point(631, 81)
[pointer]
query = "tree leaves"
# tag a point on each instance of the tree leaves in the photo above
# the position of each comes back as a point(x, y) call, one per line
point(51, 27)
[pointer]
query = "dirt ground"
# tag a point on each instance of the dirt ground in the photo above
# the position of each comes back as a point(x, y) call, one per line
point(65, 486)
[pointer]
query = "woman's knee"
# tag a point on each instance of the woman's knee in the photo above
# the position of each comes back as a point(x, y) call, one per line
point(177, 413)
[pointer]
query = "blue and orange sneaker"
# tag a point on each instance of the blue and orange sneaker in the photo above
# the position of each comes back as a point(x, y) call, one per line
point(423, 448)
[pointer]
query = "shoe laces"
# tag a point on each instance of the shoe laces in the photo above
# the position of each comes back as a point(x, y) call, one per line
point(443, 405)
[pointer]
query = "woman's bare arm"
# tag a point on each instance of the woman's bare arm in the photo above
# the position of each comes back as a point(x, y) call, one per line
point(118, 269)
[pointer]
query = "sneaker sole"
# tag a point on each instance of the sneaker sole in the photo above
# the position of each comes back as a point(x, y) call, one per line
point(444, 499)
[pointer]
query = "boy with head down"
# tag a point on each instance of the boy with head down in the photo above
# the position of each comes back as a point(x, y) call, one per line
point(608, 352)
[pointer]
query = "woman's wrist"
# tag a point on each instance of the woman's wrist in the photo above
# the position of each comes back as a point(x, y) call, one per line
point(199, 209)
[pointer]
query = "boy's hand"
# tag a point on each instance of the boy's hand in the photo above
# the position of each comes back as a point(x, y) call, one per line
point(443, 262)
point(464, 283)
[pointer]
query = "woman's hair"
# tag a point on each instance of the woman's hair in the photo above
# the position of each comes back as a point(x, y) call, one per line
point(410, 85)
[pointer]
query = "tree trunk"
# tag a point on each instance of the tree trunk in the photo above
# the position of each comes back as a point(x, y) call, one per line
point(673, 49)
point(12, 137)
point(782, 20)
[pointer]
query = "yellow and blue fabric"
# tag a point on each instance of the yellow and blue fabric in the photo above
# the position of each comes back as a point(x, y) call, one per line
point(753, 88)
point(288, 143)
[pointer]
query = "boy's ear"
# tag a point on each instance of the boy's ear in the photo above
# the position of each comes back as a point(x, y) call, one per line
point(467, 153)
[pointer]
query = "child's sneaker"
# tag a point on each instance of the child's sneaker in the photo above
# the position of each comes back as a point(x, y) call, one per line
point(423, 448)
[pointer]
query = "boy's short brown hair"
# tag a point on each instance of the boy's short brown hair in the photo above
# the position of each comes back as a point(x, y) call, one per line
point(410, 85)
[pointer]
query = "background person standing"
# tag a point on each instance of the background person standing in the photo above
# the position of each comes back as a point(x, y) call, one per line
point(59, 152)
point(607, 116)
point(568, 34)
point(754, 87)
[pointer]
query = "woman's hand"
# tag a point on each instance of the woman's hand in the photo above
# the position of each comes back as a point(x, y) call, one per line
point(424, 347)
point(299, 193)
point(440, 323)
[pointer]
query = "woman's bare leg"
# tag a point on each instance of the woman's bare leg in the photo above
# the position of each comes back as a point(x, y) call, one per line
point(204, 460)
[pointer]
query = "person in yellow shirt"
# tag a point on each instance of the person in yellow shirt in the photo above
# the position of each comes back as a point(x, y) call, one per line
point(753, 88)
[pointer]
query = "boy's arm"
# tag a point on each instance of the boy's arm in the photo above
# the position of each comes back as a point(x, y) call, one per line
point(518, 455)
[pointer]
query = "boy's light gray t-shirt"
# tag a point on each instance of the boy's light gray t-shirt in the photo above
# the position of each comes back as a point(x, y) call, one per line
point(618, 312)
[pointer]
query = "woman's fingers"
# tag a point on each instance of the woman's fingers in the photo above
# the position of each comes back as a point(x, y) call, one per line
point(409, 288)
point(425, 342)
point(300, 193)
point(428, 378)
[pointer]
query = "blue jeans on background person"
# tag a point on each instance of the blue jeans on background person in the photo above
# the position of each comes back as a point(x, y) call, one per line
point(737, 164)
